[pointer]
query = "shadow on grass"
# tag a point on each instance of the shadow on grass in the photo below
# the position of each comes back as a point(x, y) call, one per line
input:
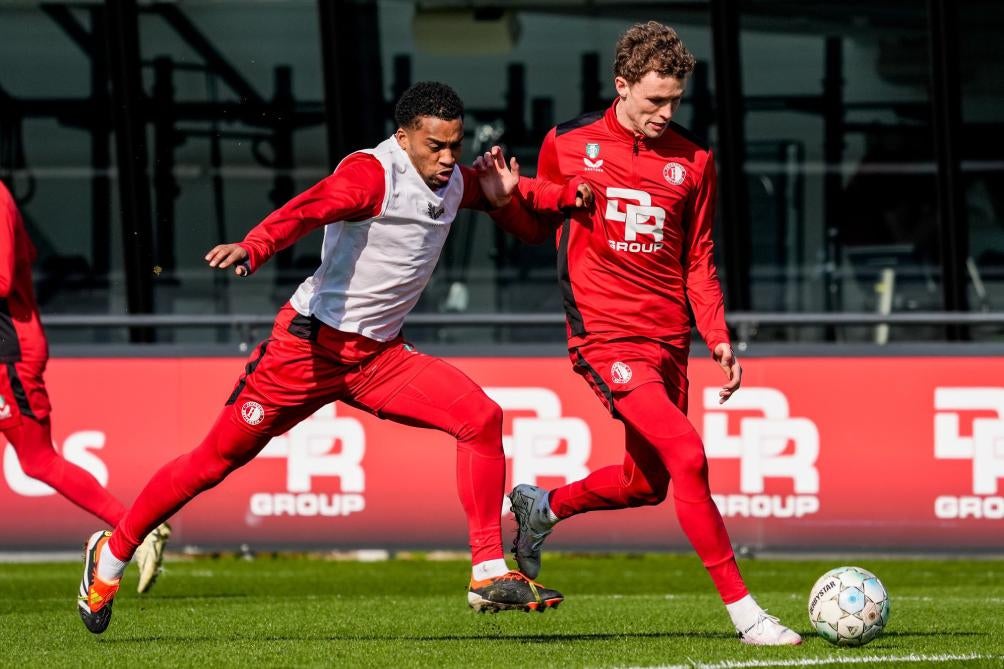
point(522, 638)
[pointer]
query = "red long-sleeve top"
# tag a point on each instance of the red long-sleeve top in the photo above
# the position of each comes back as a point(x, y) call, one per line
point(642, 257)
point(21, 334)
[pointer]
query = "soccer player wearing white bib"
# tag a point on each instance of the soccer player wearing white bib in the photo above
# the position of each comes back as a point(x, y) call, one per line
point(386, 213)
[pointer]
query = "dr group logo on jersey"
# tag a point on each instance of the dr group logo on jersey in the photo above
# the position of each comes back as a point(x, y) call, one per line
point(307, 449)
point(535, 444)
point(762, 449)
point(639, 217)
point(984, 446)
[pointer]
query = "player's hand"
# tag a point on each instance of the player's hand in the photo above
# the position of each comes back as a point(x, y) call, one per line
point(497, 178)
point(225, 255)
point(583, 196)
point(729, 363)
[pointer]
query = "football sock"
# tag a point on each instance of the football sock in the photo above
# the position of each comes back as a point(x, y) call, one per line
point(444, 398)
point(744, 613)
point(110, 568)
point(551, 516)
point(32, 441)
point(489, 569)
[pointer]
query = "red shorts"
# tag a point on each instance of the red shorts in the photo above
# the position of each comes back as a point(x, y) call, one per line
point(615, 368)
point(22, 392)
point(305, 365)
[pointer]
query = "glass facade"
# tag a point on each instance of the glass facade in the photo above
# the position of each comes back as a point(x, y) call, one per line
point(853, 117)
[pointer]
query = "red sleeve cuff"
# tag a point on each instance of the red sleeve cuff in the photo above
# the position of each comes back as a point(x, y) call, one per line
point(716, 337)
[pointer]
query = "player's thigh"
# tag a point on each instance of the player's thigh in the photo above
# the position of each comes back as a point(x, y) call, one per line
point(284, 381)
point(649, 412)
point(424, 391)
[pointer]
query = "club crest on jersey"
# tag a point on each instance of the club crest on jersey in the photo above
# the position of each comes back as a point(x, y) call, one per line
point(620, 372)
point(674, 173)
point(592, 152)
point(252, 413)
point(5, 411)
point(434, 211)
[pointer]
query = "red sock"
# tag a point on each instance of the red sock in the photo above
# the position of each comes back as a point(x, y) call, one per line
point(224, 449)
point(443, 398)
point(32, 441)
point(661, 444)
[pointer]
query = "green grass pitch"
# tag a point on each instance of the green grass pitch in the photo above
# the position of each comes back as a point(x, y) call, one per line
point(620, 611)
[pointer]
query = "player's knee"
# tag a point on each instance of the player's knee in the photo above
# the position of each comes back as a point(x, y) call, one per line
point(41, 466)
point(646, 492)
point(480, 417)
point(689, 465)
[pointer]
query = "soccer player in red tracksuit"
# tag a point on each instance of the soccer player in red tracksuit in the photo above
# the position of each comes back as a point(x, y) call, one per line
point(630, 270)
point(24, 402)
point(386, 213)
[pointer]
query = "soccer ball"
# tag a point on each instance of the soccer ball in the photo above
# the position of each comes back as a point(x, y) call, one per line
point(848, 606)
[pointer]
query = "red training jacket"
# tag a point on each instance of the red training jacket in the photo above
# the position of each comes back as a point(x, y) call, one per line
point(21, 334)
point(629, 266)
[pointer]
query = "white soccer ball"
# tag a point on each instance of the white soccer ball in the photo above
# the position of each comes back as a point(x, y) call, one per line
point(848, 606)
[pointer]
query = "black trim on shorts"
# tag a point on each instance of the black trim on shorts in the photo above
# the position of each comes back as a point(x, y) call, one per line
point(572, 312)
point(304, 327)
point(581, 363)
point(10, 348)
point(250, 367)
point(20, 396)
point(579, 122)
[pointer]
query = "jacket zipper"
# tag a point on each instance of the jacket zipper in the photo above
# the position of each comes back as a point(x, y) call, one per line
point(634, 163)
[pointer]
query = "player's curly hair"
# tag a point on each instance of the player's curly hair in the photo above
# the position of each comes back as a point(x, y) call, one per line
point(651, 47)
point(427, 98)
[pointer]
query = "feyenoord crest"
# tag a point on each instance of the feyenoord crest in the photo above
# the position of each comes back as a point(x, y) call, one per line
point(252, 413)
point(592, 150)
point(620, 373)
point(674, 173)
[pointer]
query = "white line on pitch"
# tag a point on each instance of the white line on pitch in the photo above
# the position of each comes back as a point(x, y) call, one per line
point(833, 659)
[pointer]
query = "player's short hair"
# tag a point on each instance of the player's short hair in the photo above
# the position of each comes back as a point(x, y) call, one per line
point(651, 47)
point(427, 98)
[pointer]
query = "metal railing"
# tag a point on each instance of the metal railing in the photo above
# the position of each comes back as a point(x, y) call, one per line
point(735, 319)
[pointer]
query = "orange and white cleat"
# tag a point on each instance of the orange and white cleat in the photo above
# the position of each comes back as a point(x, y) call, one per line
point(96, 597)
point(511, 592)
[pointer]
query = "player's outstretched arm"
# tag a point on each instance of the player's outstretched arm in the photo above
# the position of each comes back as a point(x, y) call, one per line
point(501, 181)
point(227, 255)
point(729, 363)
point(353, 193)
point(498, 179)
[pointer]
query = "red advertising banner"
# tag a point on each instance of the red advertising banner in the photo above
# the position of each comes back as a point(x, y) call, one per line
point(820, 453)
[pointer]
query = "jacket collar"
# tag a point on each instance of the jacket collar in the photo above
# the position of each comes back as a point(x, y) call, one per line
point(618, 130)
